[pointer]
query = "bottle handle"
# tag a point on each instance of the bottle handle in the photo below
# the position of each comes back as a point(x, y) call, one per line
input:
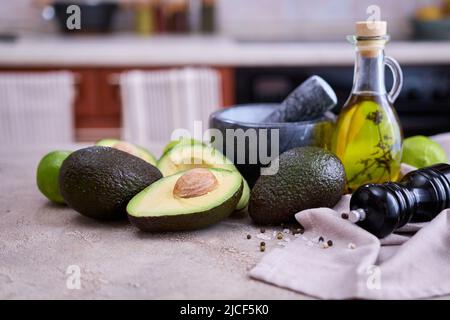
point(397, 77)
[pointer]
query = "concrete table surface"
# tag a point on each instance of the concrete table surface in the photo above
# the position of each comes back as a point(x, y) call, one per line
point(40, 240)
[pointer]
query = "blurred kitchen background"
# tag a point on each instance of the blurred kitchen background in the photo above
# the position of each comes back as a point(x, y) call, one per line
point(137, 69)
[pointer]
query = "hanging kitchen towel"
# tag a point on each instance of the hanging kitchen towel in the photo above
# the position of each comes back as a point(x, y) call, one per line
point(36, 108)
point(409, 264)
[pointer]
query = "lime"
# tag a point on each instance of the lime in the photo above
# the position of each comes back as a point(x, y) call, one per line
point(420, 151)
point(47, 175)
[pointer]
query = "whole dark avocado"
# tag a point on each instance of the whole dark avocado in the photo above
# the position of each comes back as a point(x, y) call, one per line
point(307, 177)
point(98, 182)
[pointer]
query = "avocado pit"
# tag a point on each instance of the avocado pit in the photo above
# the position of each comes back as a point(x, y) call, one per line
point(195, 183)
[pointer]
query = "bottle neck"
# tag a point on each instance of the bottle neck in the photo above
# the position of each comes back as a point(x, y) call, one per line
point(369, 71)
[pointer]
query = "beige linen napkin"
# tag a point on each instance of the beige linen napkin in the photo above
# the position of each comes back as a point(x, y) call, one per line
point(359, 265)
point(412, 263)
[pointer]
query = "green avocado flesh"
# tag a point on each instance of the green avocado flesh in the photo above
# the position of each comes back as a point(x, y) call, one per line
point(136, 150)
point(187, 156)
point(156, 208)
point(307, 177)
point(98, 182)
point(243, 201)
point(184, 157)
point(183, 141)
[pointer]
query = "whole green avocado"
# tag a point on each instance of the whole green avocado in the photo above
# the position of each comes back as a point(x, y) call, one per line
point(98, 182)
point(307, 177)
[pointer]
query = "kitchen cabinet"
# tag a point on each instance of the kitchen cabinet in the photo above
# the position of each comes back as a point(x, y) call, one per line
point(97, 108)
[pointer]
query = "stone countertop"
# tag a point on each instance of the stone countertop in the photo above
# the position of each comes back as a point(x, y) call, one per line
point(128, 50)
point(40, 240)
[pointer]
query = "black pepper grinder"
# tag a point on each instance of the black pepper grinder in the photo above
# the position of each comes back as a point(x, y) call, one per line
point(419, 196)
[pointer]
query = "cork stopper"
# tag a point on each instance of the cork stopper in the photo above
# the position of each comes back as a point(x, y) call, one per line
point(371, 37)
point(371, 28)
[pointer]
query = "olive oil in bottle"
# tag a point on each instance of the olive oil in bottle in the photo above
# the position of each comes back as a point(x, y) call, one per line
point(368, 137)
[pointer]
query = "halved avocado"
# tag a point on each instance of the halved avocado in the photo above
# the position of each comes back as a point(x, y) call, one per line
point(131, 148)
point(182, 141)
point(243, 201)
point(187, 200)
point(185, 156)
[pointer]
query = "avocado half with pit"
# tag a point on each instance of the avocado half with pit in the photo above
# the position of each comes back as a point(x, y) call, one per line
point(185, 156)
point(187, 200)
point(128, 147)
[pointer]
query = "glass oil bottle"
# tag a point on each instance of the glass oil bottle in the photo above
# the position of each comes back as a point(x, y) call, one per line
point(368, 137)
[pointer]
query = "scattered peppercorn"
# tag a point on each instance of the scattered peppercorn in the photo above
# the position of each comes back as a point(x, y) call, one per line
point(330, 243)
point(279, 235)
point(263, 230)
point(262, 248)
point(249, 236)
point(344, 216)
point(262, 244)
point(321, 239)
point(297, 231)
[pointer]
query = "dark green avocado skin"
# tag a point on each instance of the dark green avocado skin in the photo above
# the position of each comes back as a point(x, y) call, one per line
point(308, 177)
point(98, 182)
point(185, 222)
